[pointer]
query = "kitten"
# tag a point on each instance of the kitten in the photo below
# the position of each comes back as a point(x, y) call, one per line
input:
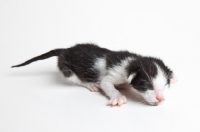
point(97, 68)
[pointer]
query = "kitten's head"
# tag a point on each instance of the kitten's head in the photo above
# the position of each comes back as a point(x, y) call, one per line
point(150, 77)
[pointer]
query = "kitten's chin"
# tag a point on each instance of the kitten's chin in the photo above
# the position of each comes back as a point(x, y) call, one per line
point(153, 103)
point(150, 97)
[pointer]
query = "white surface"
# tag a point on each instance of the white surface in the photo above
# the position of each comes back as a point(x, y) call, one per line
point(36, 99)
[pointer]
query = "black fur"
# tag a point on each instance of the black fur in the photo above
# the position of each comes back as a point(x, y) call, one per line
point(115, 57)
point(80, 60)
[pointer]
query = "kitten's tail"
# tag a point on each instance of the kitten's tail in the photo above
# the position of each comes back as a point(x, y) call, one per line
point(51, 53)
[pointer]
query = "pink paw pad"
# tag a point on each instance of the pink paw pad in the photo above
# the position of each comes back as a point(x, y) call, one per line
point(118, 101)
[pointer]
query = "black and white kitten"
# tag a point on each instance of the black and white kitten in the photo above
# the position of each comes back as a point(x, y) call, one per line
point(97, 68)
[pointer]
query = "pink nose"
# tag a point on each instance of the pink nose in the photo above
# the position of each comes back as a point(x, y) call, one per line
point(159, 98)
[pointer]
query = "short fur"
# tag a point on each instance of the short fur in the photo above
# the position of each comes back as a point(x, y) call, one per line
point(97, 68)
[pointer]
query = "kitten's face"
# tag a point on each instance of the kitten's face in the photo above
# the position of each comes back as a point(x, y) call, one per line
point(150, 80)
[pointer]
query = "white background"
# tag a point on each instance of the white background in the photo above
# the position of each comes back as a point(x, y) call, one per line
point(35, 98)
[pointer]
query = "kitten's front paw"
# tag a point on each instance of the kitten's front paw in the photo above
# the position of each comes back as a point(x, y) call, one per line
point(118, 100)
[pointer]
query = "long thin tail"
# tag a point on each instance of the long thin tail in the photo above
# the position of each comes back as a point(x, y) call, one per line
point(51, 53)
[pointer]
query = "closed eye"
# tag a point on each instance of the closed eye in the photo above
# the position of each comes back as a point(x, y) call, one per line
point(167, 84)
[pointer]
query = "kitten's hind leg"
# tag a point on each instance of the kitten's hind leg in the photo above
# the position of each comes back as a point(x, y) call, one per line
point(93, 87)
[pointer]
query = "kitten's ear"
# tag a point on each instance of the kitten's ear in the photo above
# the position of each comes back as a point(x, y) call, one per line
point(173, 79)
point(130, 77)
point(132, 70)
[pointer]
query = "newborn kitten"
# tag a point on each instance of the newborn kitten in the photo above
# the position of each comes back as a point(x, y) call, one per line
point(97, 68)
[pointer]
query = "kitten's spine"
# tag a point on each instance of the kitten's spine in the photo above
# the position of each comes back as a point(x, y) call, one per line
point(49, 54)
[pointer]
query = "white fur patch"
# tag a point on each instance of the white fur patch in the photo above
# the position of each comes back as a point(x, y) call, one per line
point(118, 74)
point(100, 64)
point(74, 80)
point(115, 76)
point(130, 78)
point(160, 80)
